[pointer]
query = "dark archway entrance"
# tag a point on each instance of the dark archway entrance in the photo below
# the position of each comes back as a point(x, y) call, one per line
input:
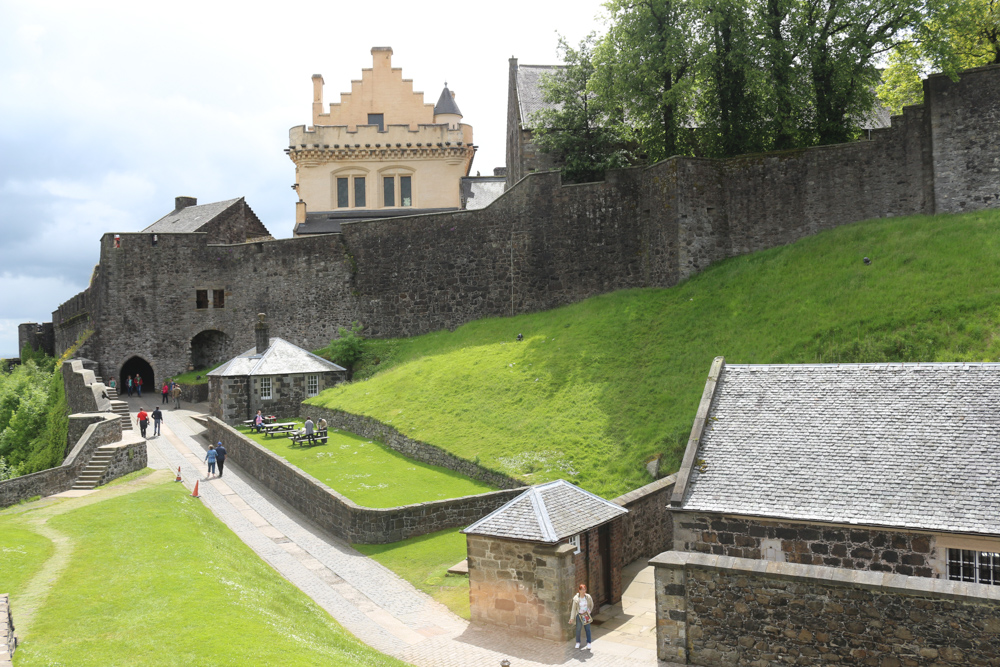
point(136, 365)
point(208, 348)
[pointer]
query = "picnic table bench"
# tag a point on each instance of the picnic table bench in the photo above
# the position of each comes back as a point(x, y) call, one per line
point(268, 419)
point(319, 435)
point(283, 427)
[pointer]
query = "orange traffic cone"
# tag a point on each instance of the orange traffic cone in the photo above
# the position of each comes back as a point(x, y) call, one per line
point(194, 494)
point(178, 474)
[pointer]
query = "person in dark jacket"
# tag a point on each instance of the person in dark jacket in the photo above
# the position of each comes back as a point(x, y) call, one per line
point(157, 418)
point(220, 457)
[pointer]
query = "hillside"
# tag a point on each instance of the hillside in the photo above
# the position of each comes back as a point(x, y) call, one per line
point(598, 388)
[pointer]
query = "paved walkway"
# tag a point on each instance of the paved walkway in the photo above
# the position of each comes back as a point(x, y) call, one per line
point(372, 602)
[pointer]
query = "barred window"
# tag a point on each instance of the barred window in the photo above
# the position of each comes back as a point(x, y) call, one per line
point(265, 389)
point(312, 385)
point(978, 567)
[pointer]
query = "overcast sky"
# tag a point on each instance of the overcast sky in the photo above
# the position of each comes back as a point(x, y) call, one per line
point(110, 110)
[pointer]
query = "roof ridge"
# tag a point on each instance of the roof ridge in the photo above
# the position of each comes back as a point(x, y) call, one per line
point(542, 514)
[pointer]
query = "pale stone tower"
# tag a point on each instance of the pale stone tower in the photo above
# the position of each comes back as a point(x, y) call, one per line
point(379, 152)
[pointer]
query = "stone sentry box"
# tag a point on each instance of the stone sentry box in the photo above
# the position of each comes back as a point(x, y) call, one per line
point(718, 610)
point(527, 558)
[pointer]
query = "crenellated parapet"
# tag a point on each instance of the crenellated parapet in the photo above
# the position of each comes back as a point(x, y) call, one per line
point(338, 143)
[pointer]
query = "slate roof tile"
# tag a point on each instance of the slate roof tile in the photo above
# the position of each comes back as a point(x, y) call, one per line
point(280, 358)
point(190, 219)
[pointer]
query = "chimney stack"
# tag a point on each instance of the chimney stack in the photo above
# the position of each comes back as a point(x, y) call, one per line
point(260, 330)
point(184, 202)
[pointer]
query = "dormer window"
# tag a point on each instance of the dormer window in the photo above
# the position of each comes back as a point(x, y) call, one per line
point(377, 119)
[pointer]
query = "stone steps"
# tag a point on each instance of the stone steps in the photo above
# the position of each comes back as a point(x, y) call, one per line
point(120, 408)
point(110, 391)
point(95, 469)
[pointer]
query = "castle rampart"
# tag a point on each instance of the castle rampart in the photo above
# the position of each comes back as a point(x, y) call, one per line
point(540, 245)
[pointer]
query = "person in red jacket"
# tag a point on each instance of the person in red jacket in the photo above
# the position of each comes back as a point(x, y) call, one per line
point(166, 392)
point(143, 421)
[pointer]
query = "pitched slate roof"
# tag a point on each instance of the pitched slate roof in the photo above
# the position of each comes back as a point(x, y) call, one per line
point(280, 358)
point(530, 96)
point(900, 445)
point(547, 513)
point(191, 218)
point(446, 103)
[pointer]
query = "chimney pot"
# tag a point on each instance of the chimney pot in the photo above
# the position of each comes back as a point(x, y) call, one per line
point(184, 202)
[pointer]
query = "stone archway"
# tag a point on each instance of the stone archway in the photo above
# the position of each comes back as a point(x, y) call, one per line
point(137, 366)
point(208, 348)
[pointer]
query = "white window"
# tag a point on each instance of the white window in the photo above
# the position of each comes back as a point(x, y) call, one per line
point(312, 385)
point(978, 567)
point(575, 541)
point(265, 389)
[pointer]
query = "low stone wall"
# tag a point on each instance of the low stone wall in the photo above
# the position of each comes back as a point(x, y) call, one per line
point(648, 528)
point(129, 457)
point(194, 393)
point(83, 393)
point(718, 610)
point(338, 514)
point(421, 451)
point(105, 428)
point(8, 642)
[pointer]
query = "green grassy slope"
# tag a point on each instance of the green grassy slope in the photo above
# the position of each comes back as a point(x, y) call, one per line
point(599, 387)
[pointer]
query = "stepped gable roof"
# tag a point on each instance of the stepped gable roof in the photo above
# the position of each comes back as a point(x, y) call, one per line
point(547, 513)
point(892, 445)
point(280, 358)
point(446, 103)
point(190, 218)
point(530, 95)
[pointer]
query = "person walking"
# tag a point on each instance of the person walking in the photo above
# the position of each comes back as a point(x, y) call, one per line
point(582, 613)
point(129, 385)
point(143, 421)
point(166, 393)
point(138, 384)
point(211, 457)
point(177, 396)
point(220, 457)
point(157, 418)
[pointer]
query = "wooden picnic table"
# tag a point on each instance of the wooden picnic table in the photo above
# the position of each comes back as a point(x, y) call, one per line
point(268, 419)
point(319, 436)
point(283, 427)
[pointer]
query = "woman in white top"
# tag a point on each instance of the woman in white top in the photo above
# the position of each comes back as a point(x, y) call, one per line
point(581, 613)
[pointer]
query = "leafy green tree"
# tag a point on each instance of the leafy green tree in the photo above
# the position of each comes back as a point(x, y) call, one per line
point(578, 125)
point(347, 348)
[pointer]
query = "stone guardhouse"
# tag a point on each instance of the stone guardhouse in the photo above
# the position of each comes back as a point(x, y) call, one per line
point(527, 558)
point(274, 376)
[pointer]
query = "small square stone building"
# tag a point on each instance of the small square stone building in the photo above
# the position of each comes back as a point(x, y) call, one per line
point(274, 376)
point(527, 558)
point(891, 468)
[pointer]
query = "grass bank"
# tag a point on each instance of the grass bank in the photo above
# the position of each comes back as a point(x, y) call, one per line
point(424, 561)
point(153, 578)
point(598, 388)
point(369, 473)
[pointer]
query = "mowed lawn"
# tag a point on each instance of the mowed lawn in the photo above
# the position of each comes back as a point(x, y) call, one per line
point(424, 561)
point(369, 473)
point(598, 388)
point(153, 578)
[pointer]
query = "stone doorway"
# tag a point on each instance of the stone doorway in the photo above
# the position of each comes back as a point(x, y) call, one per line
point(131, 368)
point(209, 348)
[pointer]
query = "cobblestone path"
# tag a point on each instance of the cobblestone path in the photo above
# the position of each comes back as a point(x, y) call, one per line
point(372, 602)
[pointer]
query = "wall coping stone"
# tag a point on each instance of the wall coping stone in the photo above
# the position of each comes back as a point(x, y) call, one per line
point(642, 492)
point(697, 429)
point(885, 582)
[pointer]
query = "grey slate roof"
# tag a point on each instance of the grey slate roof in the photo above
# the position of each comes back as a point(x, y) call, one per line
point(190, 219)
point(547, 513)
point(529, 90)
point(280, 358)
point(900, 445)
point(446, 103)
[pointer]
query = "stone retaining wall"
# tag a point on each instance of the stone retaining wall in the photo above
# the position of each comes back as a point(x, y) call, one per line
point(647, 529)
point(717, 610)
point(339, 515)
point(8, 642)
point(373, 429)
point(129, 457)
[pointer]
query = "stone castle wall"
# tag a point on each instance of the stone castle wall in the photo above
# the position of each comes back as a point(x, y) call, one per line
point(648, 527)
point(856, 548)
point(540, 245)
point(716, 610)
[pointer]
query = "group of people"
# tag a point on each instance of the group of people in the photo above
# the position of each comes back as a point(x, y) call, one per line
point(171, 389)
point(132, 385)
point(216, 456)
point(309, 428)
point(143, 418)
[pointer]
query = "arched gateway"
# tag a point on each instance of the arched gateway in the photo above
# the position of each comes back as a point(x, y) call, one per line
point(132, 367)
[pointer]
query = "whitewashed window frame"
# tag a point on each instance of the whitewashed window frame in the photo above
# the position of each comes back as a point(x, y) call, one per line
point(974, 566)
point(266, 386)
point(312, 385)
point(575, 541)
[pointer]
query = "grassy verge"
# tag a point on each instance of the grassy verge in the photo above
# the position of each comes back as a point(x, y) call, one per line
point(424, 561)
point(22, 554)
point(199, 376)
point(598, 388)
point(155, 579)
point(371, 474)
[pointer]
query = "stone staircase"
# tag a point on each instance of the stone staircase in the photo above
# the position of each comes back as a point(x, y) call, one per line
point(120, 408)
point(92, 474)
point(111, 391)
